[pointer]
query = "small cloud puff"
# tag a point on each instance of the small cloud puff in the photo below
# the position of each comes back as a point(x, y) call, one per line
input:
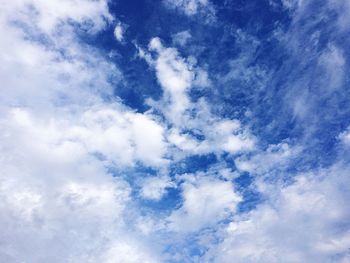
point(181, 38)
point(154, 188)
point(119, 31)
point(206, 201)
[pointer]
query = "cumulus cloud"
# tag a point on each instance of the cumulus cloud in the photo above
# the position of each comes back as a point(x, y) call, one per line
point(120, 138)
point(153, 188)
point(206, 201)
point(38, 73)
point(60, 138)
point(305, 221)
point(58, 199)
point(175, 76)
point(220, 136)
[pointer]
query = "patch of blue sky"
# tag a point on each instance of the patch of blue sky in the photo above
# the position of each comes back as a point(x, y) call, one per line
point(171, 200)
point(251, 197)
point(193, 164)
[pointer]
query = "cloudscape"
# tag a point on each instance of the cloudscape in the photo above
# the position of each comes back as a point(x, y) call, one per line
point(175, 131)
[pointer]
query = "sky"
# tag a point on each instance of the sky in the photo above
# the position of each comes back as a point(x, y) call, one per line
point(175, 131)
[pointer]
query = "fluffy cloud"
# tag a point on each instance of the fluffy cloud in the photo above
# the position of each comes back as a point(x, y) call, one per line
point(74, 77)
point(127, 252)
point(118, 137)
point(59, 200)
point(206, 201)
point(48, 15)
point(274, 157)
point(41, 69)
point(153, 188)
point(345, 137)
point(177, 76)
point(220, 136)
point(60, 138)
point(305, 221)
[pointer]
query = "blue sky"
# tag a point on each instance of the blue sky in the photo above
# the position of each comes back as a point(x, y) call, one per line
point(175, 131)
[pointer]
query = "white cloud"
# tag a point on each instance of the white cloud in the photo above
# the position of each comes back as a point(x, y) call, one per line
point(292, 4)
point(304, 42)
point(59, 137)
point(181, 38)
point(276, 156)
point(62, 71)
point(122, 138)
point(192, 7)
point(46, 16)
point(310, 216)
point(206, 201)
point(177, 76)
point(333, 61)
point(342, 8)
point(153, 188)
point(127, 253)
point(58, 202)
point(220, 136)
point(119, 32)
point(345, 137)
